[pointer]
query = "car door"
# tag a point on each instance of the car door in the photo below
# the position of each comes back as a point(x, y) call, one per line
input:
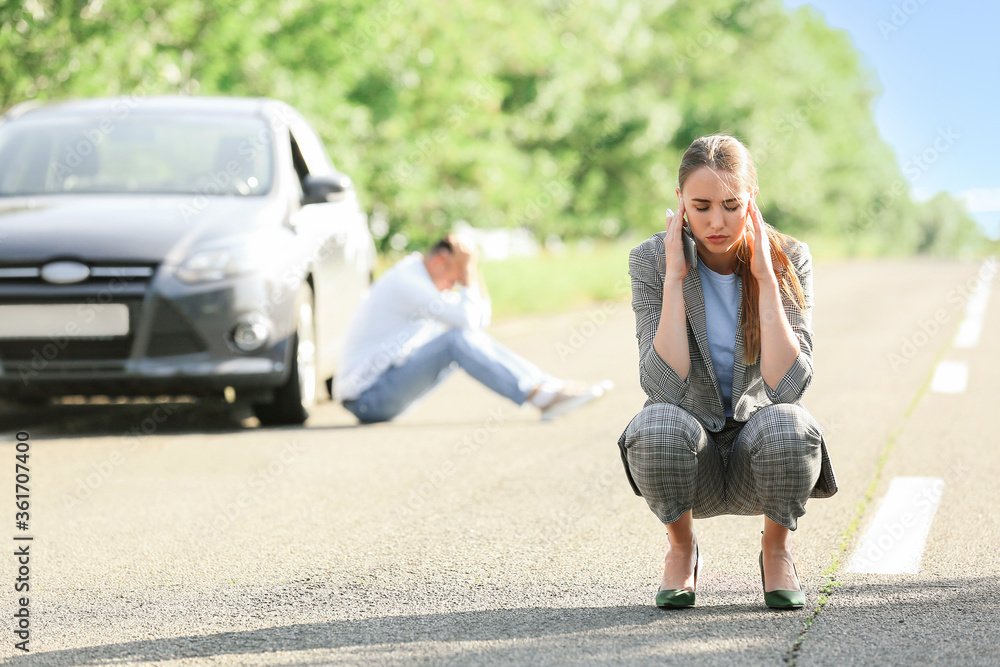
point(329, 230)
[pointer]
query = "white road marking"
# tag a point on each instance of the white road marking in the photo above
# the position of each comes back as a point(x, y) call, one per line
point(950, 377)
point(975, 310)
point(894, 543)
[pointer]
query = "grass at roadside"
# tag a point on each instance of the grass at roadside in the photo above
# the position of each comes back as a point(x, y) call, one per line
point(550, 283)
point(594, 272)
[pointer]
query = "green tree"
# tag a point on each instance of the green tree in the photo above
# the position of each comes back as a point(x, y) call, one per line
point(562, 116)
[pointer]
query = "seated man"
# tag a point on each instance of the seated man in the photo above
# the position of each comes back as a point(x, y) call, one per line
point(414, 329)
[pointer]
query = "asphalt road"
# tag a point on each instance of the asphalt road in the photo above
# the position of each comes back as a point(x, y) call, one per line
point(467, 532)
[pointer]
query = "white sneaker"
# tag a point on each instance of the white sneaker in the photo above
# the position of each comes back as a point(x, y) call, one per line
point(572, 397)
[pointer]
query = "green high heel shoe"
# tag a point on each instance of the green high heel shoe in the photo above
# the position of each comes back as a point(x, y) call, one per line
point(678, 598)
point(782, 599)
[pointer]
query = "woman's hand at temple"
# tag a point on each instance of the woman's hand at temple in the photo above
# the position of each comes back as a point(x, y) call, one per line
point(670, 341)
point(778, 345)
point(760, 263)
point(673, 245)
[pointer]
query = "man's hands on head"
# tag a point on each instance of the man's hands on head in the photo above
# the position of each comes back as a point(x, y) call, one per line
point(456, 266)
point(464, 258)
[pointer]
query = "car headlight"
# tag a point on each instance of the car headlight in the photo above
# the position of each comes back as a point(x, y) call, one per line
point(212, 264)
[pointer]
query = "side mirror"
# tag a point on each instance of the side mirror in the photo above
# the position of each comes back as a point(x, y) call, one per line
point(327, 187)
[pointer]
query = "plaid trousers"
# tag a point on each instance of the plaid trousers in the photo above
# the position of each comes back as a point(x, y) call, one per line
point(767, 465)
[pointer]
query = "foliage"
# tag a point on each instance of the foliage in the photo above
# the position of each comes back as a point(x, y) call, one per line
point(584, 275)
point(563, 116)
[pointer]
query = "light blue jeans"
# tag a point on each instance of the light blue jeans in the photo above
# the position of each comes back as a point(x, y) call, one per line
point(486, 360)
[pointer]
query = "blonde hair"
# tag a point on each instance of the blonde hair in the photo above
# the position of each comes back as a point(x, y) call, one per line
point(721, 152)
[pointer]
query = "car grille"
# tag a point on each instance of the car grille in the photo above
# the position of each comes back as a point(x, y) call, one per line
point(43, 354)
point(172, 335)
point(106, 284)
point(100, 276)
point(58, 352)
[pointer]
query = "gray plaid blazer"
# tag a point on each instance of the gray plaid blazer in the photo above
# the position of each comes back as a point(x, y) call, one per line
point(700, 394)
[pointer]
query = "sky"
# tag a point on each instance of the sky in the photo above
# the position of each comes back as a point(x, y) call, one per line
point(938, 66)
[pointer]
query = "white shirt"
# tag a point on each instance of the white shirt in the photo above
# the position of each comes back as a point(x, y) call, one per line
point(722, 301)
point(404, 310)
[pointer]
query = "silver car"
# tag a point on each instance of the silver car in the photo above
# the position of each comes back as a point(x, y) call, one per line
point(175, 246)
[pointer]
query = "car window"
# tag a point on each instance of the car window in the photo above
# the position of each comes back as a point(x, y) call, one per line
point(299, 163)
point(211, 155)
point(310, 149)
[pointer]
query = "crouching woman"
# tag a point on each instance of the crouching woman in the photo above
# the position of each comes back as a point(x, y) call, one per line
point(725, 355)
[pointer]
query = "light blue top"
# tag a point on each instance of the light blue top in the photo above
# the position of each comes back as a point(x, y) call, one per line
point(722, 301)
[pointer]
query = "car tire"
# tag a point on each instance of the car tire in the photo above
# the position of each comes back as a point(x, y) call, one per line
point(294, 399)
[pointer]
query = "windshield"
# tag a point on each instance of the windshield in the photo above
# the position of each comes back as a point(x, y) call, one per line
point(140, 154)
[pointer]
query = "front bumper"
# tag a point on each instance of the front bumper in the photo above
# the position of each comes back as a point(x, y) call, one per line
point(148, 378)
point(179, 341)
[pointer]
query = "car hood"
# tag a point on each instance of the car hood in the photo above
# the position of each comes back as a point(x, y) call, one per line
point(128, 229)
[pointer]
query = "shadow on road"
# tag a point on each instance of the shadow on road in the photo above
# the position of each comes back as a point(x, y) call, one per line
point(552, 634)
point(638, 634)
point(95, 420)
point(108, 419)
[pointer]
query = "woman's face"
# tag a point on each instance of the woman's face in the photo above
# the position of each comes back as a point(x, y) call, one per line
point(716, 208)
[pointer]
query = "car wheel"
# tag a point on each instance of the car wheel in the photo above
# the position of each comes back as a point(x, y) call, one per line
point(293, 400)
